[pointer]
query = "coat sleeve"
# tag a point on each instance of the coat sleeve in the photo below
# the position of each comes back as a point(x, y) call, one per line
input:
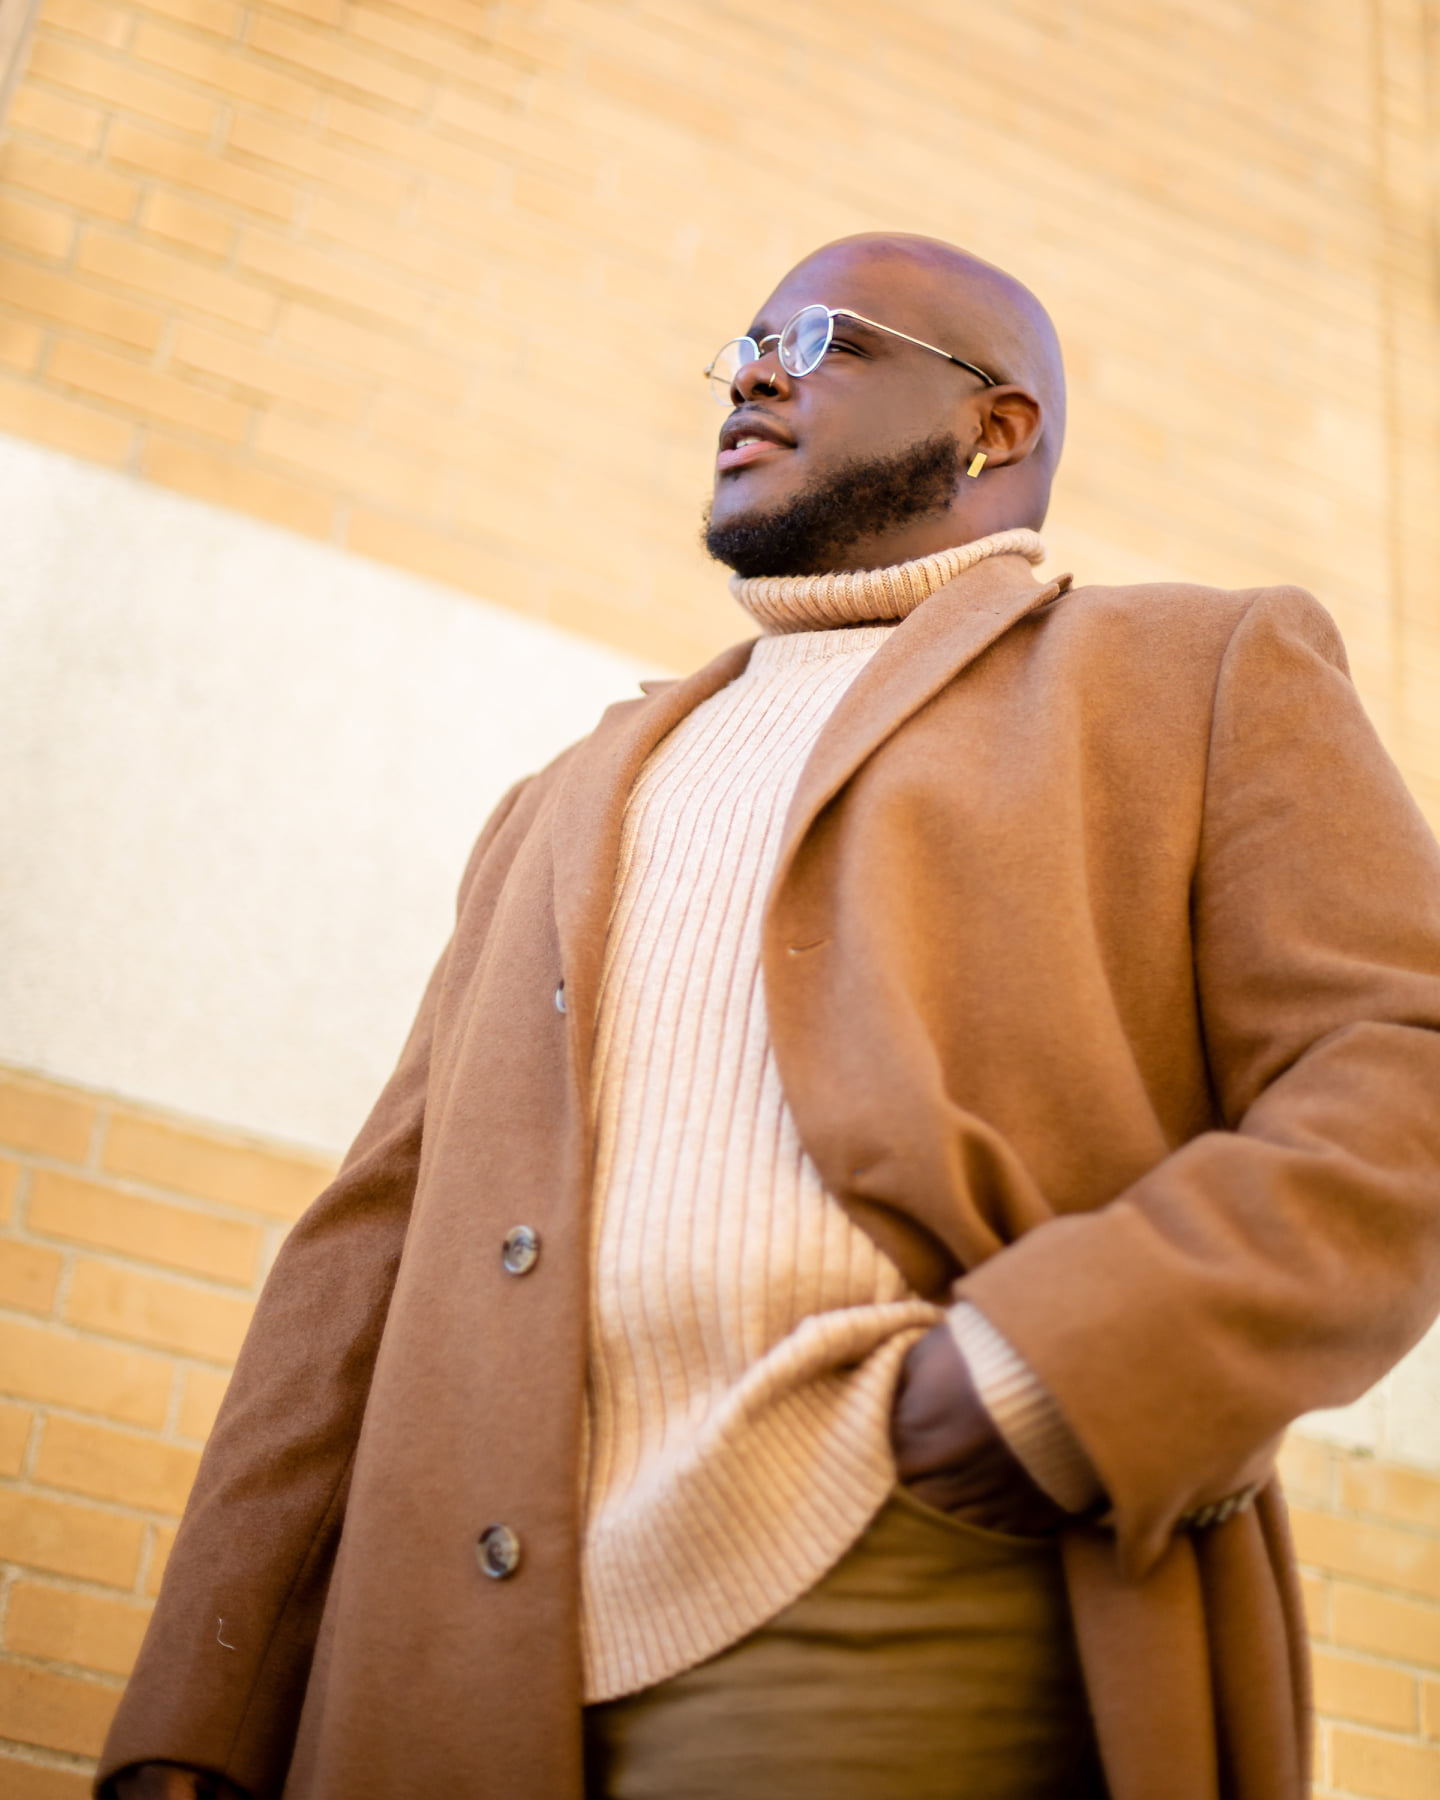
point(1283, 1262)
point(222, 1672)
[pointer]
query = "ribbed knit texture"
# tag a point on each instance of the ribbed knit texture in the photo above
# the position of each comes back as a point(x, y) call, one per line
point(1023, 1411)
point(745, 1336)
point(781, 603)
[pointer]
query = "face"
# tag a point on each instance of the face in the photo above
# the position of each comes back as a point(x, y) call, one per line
point(873, 396)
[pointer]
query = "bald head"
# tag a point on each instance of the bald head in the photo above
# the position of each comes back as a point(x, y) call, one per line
point(988, 317)
point(862, 460)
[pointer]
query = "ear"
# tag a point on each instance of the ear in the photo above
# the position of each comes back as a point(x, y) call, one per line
point(1009, 421)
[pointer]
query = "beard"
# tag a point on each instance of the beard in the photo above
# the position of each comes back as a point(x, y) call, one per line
point(861, 498)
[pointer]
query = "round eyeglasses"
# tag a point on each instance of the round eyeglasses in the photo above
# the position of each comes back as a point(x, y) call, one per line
point(801, 345)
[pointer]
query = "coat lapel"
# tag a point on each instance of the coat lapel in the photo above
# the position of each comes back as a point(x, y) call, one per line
point(929, 649)
point(585, 827)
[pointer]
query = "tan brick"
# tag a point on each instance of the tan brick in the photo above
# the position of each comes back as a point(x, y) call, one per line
point(1381, 1554)
point(151, 395)
point(298, 154)
point(526, 141)
point(110, 79)
point(356, 468)
point(337, 62)
point(1406, 1631)
point(198, 170)
point(105, 1464)
point(158, 1311)
point(85, 187)
point(176, 279)
point(183, 222)
point(15, 1423)
point(28, 1276)
point(92, 19)
point(162, 1542)
point(417, 146)
point(42, 1363)
point(200, 1401)
point(29, 412)
point(212, 1168)
point(24, 1780)
point(318, 12)
point(218, 16)
point(60, 1712)
point(1315, 1596)
point(67, 1538)
point(437, 51)
point(38, 1116)
point(36, 109)
point(1403, 1495)
point(37, 230)
point(67, 302)
point(1370, 1693)
point(434, 257)
point(177, 1237)
point(298, 268)
point(364, 349)
point(459, 15)
point(230, 480)
point(228, 71)
point(675, 105)
point(1361, 1763)
point(1430, 1708)
point(266, 373)
point(63, 1626)
point(10, 1172)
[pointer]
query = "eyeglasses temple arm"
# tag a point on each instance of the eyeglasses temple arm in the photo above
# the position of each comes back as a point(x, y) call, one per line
point(958, 361)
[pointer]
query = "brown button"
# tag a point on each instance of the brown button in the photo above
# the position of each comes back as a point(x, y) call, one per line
point(521, 1250)
point(497, 1550)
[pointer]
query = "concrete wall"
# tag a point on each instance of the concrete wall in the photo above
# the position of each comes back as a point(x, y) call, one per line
point(239, 777)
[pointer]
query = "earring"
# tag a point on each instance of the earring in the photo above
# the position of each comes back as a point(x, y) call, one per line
point(977, 463)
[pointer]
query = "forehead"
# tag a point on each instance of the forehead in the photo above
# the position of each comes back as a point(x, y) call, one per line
point(896, 289)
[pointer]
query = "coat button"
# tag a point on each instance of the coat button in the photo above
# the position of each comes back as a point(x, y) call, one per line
point(560, 998)
point(497, 1550)
point(521, 1250)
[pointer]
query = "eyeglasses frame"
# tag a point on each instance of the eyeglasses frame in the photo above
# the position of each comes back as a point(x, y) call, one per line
point(831, 314)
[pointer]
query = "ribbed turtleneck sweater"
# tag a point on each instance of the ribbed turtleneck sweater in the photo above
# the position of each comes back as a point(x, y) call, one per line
point(745, 1335)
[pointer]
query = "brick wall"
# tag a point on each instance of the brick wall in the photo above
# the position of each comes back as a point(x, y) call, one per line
point(132, 1248)
point(1368, 1537)
point(434, 278)
point(131, 1252)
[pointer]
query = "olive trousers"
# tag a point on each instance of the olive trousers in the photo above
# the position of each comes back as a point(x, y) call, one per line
point(936, 1661)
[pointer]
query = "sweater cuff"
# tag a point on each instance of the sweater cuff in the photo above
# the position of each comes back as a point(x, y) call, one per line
point(1024, 1413)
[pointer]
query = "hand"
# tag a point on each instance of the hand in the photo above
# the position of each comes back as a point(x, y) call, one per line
point(948, 1452)
point(170, 1781)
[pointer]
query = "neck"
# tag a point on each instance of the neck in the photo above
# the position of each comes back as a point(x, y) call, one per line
point(780, 603)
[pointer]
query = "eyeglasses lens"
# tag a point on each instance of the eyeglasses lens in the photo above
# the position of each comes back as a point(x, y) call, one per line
point(805, 339)
point(728, 363)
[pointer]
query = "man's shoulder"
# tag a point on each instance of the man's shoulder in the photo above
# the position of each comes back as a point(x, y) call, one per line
point(1179, 616)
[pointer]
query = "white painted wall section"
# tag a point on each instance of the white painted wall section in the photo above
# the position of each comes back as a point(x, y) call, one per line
point(240, 773)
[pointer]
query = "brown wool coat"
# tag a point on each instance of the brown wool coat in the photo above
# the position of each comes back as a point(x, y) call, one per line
point(1103, 964)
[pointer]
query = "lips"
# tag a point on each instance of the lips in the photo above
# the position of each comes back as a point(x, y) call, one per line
point(748, 437)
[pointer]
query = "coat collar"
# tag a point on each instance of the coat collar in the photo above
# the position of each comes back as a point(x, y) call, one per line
point(944, 633)
point(586, 823)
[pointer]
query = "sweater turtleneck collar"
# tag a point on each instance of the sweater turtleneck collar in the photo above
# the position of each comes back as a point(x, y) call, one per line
point(781, 603)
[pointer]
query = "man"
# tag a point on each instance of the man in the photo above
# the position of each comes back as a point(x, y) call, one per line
point(983, 1031)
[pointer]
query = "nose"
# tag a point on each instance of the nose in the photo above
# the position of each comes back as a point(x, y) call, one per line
point(767, 374)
